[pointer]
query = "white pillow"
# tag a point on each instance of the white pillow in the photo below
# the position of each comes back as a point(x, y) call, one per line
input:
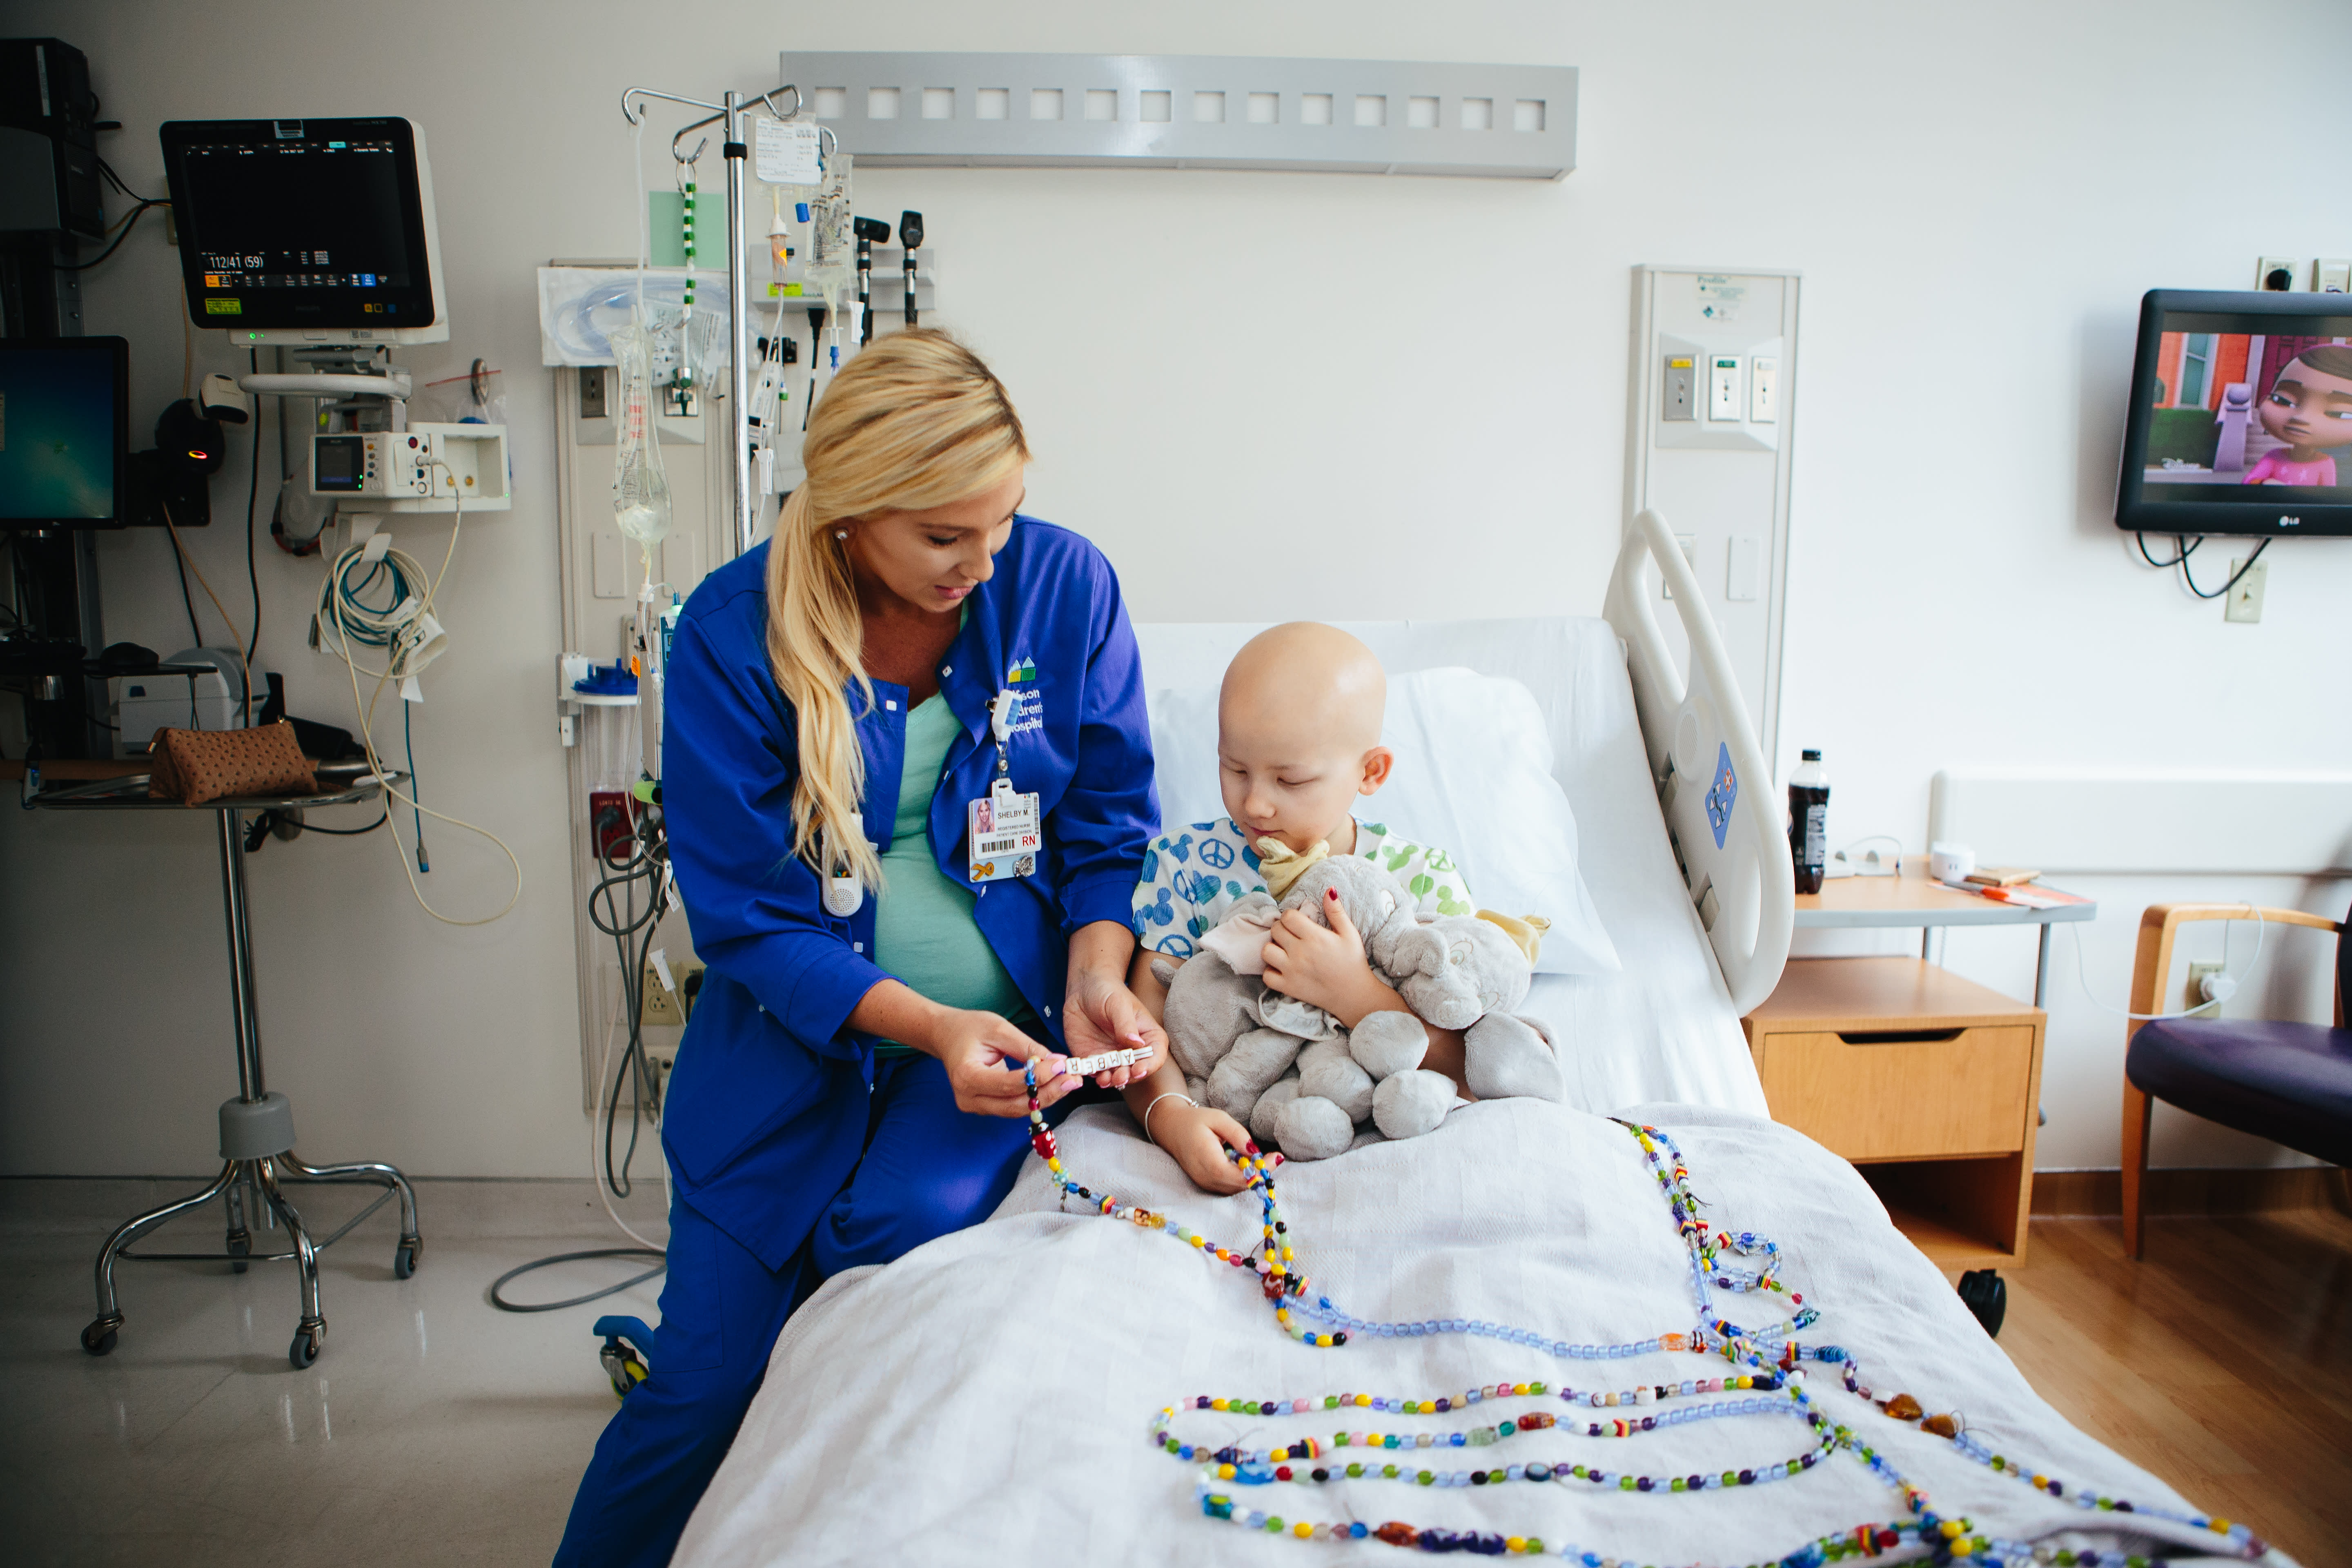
point(1473, 777)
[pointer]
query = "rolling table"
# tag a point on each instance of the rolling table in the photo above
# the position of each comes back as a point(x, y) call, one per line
point(1916, 898)
point(257, 1128)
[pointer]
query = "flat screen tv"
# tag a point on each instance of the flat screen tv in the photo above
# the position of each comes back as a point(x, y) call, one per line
point(2240, 418)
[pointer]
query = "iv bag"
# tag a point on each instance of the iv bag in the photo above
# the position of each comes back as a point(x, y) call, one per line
point(640, 488)
point(831, 258)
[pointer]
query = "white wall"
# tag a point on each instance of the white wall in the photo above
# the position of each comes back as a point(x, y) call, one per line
point(1261, 393)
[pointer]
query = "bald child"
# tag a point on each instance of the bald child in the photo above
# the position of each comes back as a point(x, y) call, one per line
point(1298, 743)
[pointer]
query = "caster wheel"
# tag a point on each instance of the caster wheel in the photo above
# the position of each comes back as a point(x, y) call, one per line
point(1986, 1294)
point(240, 1246)
point(411, 1252)
point(305, 1348)
point(99, 1338)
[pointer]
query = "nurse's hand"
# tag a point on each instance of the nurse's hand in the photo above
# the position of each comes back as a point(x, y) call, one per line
point(983, 1054)
point(1102, 1014)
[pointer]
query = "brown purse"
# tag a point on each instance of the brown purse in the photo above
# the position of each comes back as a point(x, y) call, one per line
point(193, 766)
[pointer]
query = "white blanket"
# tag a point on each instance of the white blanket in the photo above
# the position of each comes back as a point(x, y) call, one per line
point(986, 1398)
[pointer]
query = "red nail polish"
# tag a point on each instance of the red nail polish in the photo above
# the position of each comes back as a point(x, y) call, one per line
point(1332, 894)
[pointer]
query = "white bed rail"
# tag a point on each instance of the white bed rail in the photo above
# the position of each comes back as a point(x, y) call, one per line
point(1715, 788)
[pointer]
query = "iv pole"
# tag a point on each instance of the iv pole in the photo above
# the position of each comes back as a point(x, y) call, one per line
point(739, 310)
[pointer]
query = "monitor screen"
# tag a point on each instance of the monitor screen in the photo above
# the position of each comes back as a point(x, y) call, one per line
point(293, 224)
point(64, 430)
point(2240, 418)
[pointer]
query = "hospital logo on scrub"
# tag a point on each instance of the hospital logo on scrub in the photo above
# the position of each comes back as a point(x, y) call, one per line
point(1029, 703)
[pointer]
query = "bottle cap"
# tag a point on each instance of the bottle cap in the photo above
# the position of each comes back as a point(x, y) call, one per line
point(1812, 757)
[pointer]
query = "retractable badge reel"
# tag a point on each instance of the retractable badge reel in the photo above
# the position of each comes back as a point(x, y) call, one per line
point(844, 895)
point(1004, 826)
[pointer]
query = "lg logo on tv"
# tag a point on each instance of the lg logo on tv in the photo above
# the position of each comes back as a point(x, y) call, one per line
point(2290, 522)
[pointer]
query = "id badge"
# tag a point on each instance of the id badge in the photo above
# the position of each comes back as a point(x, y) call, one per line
point(1004, 832)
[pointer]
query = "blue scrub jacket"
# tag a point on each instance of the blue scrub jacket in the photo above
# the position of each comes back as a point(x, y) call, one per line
point(766, 1111)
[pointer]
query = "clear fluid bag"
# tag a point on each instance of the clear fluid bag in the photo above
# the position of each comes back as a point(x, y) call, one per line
point(641, 505)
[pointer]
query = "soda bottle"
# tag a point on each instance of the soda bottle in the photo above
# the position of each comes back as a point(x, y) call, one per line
point(1808, 812)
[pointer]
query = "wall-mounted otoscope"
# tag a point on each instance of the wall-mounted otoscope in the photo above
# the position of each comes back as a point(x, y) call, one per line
point(868, 230)
point(910, 235)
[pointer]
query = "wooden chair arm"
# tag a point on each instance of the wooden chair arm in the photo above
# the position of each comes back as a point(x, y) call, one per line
point(2158, 923)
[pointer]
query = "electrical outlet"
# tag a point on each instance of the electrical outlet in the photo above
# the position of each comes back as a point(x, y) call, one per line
point(2192, 994)
point(658, 1004)
point(609, 827)
point(2245, 600)
point(2331, 276)
point(663, 1059)
point(2277, 274)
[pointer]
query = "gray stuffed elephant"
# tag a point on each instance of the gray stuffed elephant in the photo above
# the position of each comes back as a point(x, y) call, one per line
point(1288, 1071)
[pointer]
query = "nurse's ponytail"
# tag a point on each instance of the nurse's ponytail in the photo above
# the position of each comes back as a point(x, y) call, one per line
point(915, 421)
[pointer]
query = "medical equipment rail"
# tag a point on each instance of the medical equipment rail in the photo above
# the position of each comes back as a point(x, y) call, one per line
point(257, 1128)
point(1715, 789)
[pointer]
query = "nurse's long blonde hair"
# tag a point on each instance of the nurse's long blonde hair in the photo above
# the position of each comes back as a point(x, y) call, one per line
point(915, 421)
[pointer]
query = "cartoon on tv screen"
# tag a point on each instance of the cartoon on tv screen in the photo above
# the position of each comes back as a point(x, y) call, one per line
point(2236, 408)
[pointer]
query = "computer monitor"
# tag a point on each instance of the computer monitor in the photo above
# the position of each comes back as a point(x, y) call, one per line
point(307, 231)
point(65, 432)
point(2241, 416)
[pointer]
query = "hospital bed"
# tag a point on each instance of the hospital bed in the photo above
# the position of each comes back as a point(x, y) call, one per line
point(990, 1397)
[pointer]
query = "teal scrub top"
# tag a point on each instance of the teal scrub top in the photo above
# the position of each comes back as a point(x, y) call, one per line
point(923, 928)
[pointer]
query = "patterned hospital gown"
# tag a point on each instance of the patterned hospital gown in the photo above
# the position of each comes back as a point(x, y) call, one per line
point(1191, 879)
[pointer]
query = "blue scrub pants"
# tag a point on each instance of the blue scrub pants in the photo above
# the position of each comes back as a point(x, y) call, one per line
point(928, 1169)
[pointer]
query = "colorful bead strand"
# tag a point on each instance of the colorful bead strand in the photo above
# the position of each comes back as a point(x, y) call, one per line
point(1773, 1384)
point(1279, 1284)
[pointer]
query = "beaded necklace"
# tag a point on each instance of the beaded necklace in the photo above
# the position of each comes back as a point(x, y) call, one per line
point(1773, 1384)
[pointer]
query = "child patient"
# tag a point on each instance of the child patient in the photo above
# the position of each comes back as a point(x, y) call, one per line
point(1298, 739)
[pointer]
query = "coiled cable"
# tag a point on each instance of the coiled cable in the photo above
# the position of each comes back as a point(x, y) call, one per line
point(411, 637)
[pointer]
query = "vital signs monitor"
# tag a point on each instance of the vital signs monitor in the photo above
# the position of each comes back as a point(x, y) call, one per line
point(307, 231)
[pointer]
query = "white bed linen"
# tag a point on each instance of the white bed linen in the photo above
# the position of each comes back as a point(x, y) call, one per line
point(1662, 1029)
point(985, 1399)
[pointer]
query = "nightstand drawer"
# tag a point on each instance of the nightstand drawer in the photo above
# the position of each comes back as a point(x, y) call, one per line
point(1917, 1092)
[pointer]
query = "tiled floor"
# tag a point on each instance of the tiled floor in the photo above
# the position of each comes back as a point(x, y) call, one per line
point(432, 1429)
point(436, 1430)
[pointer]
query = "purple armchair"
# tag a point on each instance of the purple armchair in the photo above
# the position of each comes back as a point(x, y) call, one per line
point(2288, 1082)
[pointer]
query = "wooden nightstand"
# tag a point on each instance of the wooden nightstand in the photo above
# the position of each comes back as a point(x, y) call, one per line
point(1929, 1083)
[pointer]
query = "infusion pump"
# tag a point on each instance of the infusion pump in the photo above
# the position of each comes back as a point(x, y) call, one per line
point(425, 467)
